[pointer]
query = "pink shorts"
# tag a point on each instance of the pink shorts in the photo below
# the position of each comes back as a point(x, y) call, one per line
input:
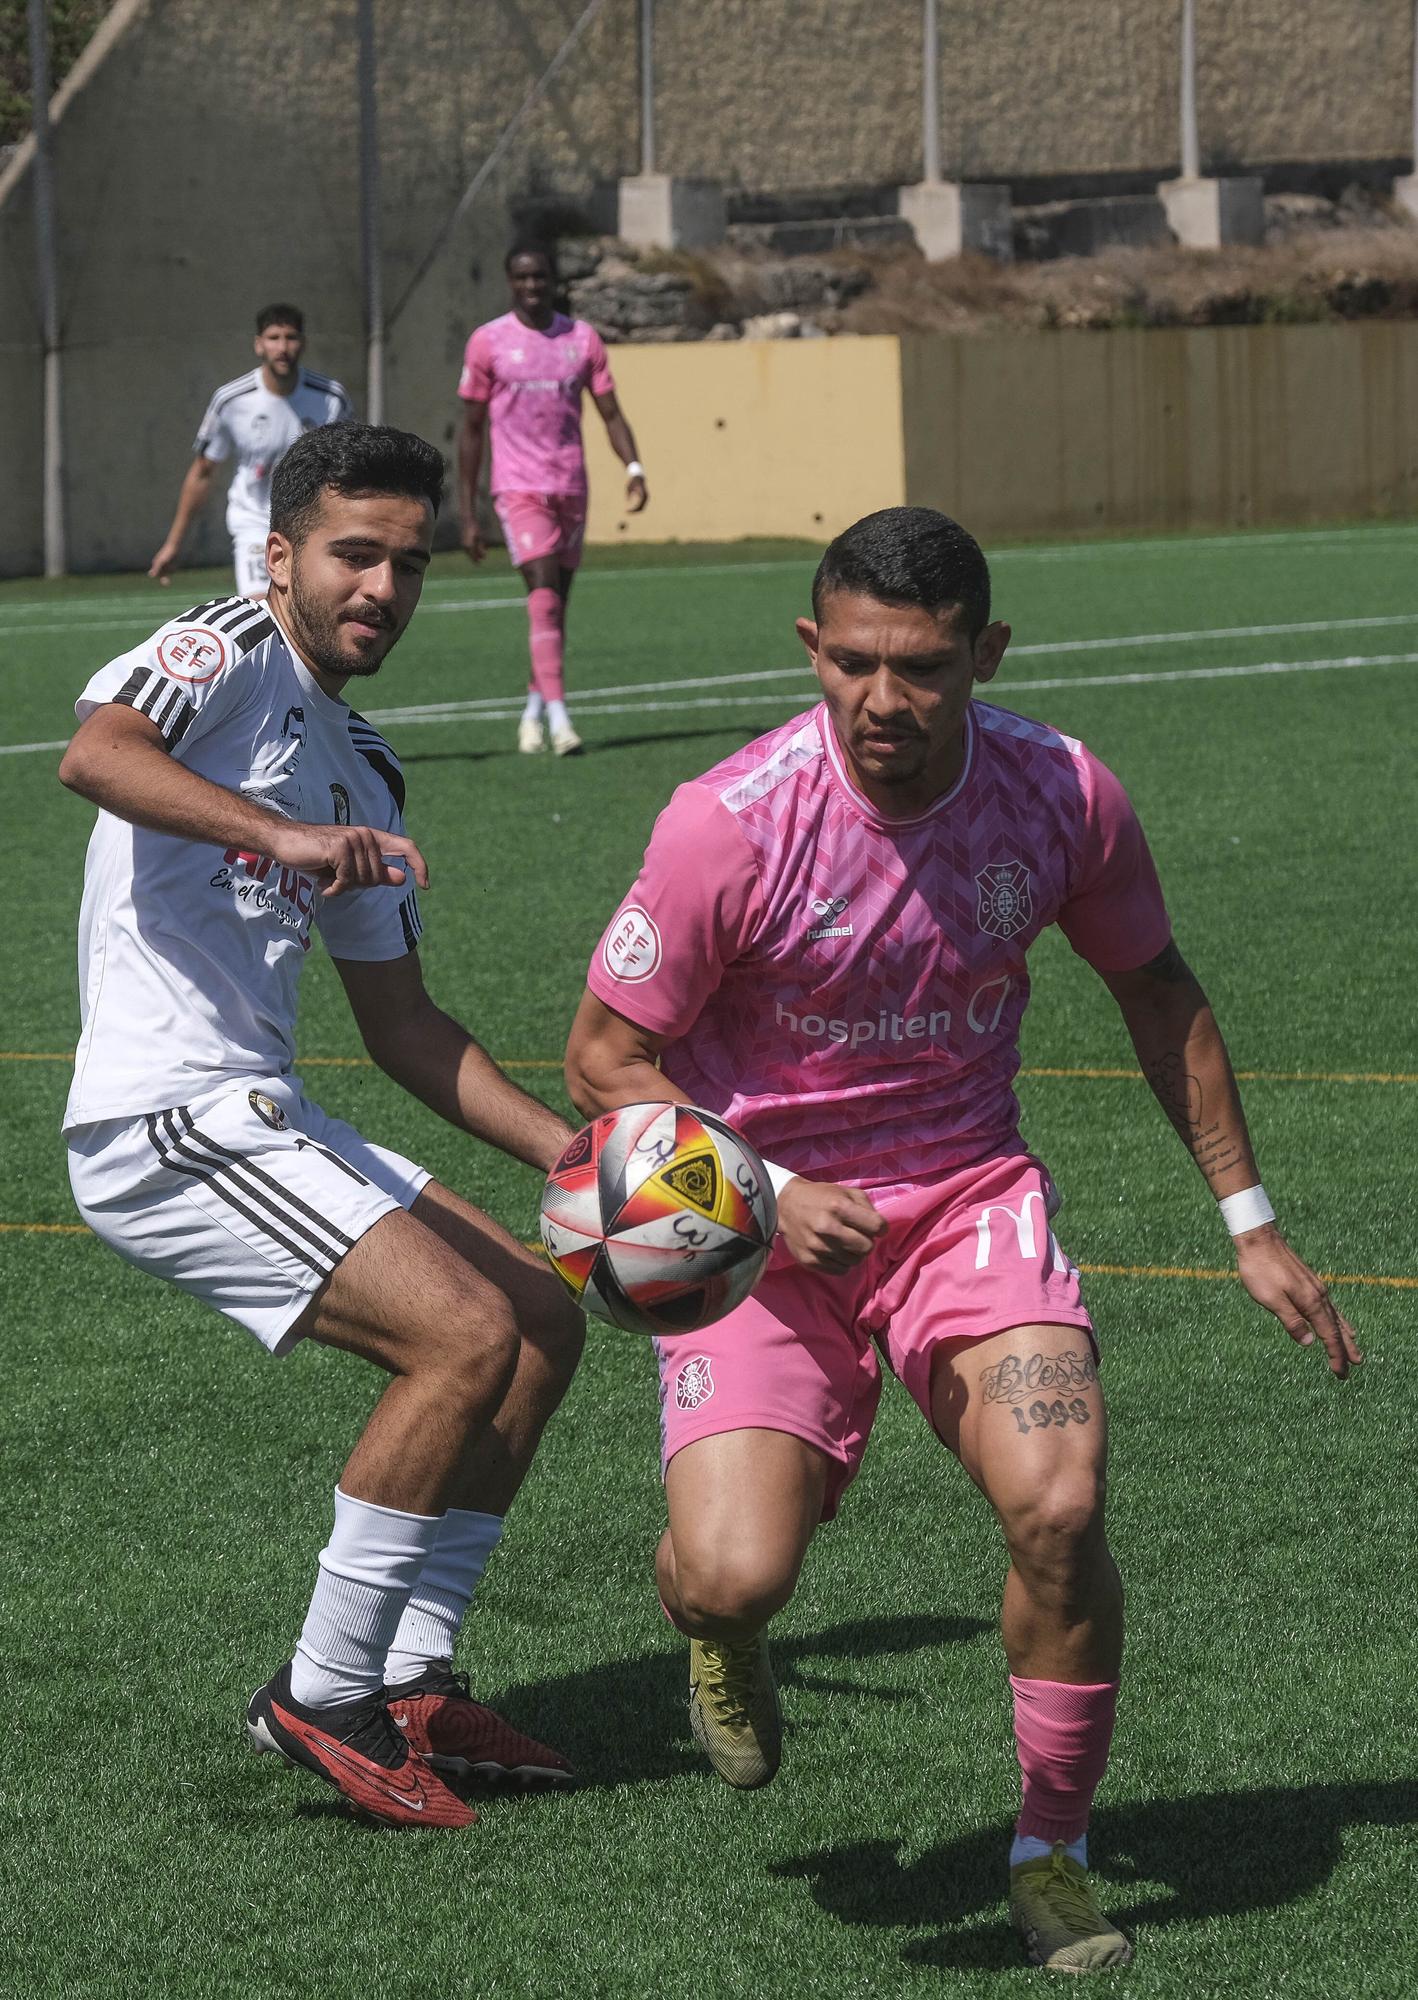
point(542, 524)
point(965, 1257)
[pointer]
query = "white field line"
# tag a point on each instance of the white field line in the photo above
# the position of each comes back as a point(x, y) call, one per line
point(591, 700)
point(1317, 538)
point(1116, 642)
point(594, 702)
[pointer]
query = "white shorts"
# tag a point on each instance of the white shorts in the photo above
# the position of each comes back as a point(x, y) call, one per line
point(248, 555)
point(248, 1197)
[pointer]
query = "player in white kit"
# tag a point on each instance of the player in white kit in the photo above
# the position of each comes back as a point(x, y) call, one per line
point(253, 421)
point(244, 805)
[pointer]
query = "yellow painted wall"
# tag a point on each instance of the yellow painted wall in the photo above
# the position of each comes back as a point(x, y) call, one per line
point(752, 437)
point(1017, 434)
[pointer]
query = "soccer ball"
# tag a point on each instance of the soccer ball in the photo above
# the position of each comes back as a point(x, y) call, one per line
point(658, 1217)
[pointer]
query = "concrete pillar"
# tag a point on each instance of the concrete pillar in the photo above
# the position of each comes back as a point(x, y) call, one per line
point(1206, 212)
point(947, 217)
point(1405, 193)
point(667, 212)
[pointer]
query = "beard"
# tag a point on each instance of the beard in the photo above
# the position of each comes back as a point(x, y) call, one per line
point(317, 628)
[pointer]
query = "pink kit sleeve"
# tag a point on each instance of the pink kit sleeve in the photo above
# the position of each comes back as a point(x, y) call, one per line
point(475, 382)
point(601, 381)
point(1115, 916)
point(695, 907)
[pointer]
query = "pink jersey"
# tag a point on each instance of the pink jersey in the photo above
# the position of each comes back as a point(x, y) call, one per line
point(533, 382)
point(848, 988)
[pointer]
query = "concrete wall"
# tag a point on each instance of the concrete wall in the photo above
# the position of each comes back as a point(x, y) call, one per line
point(805, 435)
point(1212, 426)
point(208, 163)
point(1066, 433)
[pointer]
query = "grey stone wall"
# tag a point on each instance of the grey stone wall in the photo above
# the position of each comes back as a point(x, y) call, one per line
point(209, 163)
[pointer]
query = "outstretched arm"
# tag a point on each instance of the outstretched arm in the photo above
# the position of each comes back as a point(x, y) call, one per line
point(1184, 1059)
point(117, 759)
point(436, 1060)
point(623, 445)
point(190, 501)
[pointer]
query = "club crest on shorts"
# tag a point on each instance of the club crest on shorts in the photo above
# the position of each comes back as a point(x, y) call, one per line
point(694, 1383)
point(267, 1110)
point(1006, 905)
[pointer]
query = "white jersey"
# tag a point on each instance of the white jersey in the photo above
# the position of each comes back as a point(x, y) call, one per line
point(190, 955)
point(246, 422)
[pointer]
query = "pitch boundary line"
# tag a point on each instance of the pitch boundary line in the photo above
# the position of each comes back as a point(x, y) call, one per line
point(1174, 1271)
point(589, 702)
point(1049, 1071)
point(1239, 540)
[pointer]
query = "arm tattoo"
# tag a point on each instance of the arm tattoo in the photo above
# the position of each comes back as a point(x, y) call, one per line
point(1179, 1093)
point(1034, 1389)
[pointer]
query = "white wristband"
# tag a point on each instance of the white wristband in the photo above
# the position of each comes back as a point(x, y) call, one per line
point(778, 1177)
point(635, 470)
point(1250, 1209)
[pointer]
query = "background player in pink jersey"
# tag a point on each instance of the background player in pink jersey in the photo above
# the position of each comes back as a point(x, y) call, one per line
point(827, 944)
point(524, 374)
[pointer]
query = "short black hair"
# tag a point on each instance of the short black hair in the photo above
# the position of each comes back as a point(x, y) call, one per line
point(908, 555)
point(530, 246)
point(280, 316)
point(350, 458)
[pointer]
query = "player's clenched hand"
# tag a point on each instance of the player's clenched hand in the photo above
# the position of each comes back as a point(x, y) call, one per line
point(350, 857)
point(1285, 1285)
point(827, 1228)
point(637, 494)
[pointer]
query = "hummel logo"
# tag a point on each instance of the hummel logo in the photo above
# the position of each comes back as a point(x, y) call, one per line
point(826, 912)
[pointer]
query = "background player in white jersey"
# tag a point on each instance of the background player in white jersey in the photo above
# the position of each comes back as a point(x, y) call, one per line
point(243, 802)
point(524, 376)
point(827, 945)
point(254, 421)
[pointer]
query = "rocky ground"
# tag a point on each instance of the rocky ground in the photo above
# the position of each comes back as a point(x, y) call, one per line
point(1322, 260)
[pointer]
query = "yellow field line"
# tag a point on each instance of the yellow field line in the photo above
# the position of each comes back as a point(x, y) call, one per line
point(1190, 1271)
point(1088, 1075)
point(1088, 1270)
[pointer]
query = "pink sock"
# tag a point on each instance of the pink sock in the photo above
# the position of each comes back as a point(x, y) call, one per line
point(545, 614)
point(1062, 1734)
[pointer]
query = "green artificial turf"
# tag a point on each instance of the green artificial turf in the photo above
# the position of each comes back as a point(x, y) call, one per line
point(168, 1486)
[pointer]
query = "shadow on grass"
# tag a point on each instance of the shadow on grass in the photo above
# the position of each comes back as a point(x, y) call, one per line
point(595, 746)
point(1217, 1854)
point(624, 1722)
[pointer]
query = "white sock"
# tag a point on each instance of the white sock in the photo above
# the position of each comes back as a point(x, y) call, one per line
point(557, 715)
point(1027, 1848)
point(428, 1630)
point(533, 711)
point(371, 1563)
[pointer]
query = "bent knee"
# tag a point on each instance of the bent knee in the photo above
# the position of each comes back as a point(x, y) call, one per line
point(735, 1593)
point(1058, 1528)
point(475, 1346)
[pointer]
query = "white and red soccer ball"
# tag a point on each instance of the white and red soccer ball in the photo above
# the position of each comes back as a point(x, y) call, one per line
point(658, 1217)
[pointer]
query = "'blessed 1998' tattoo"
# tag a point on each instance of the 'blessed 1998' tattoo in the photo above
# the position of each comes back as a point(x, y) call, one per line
point(1018, 1380)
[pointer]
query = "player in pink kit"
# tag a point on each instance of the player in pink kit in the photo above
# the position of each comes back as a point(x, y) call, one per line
point(827, 944)
point(525, 373)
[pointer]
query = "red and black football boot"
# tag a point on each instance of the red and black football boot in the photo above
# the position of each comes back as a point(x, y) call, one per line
point(455, 1733)
point(356, 1748)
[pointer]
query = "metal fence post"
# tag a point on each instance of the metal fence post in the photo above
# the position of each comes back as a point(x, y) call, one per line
point(647, 86)
point(370, 242)
point(55, 554)
point(930, 93)
point(1191, 149)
